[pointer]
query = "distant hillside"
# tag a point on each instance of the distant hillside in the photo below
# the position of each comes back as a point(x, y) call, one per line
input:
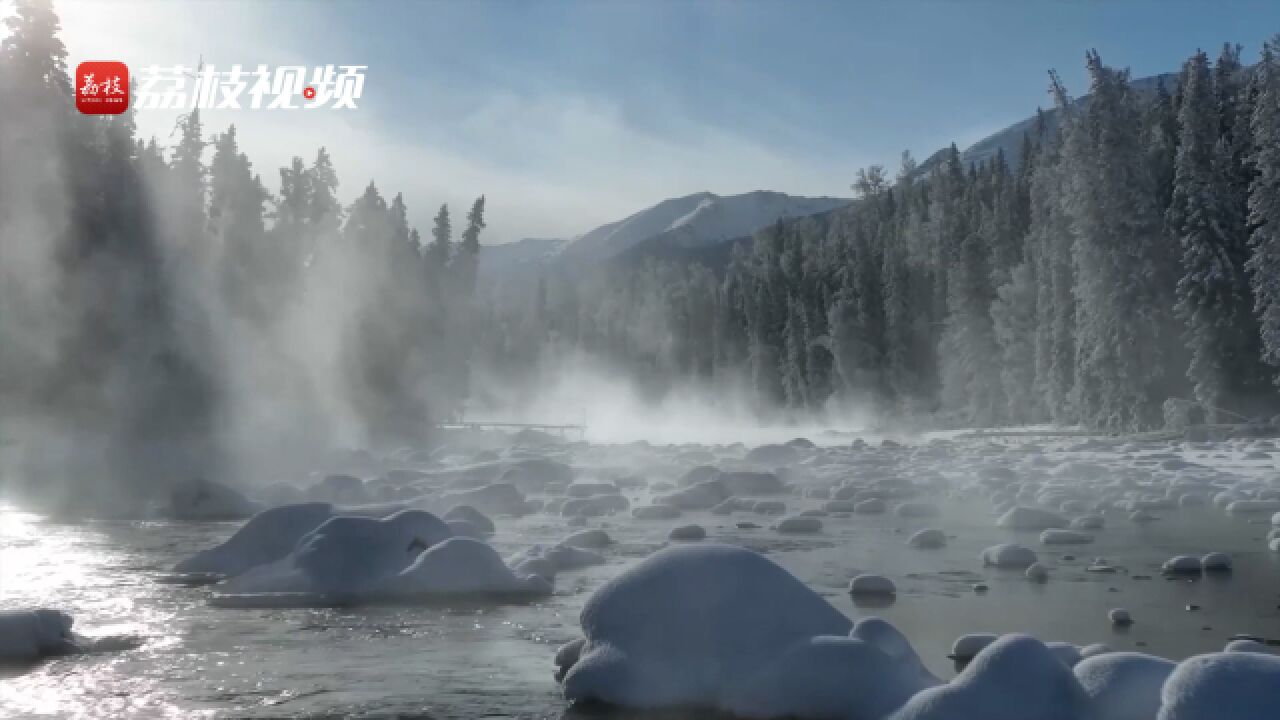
point(691, 222)
point(689, 226)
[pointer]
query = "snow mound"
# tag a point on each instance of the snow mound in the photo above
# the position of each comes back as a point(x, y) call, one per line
point(872, 585)
point(1065, 537)
point(1037, 572)
point(773, 455)
point(535, 474)
point(769, 507)
point(825, 677)
point(1014, 678)
point(966, 647)
point(799, 524)
point(461, 566)
point(266, 537)
point(30, 635)
point(893, 643)
point(1253, 507)
point(1067, 653)
point(701, 496)
point(1123, 685)
point(1182, 565)
point(1008, 555)
point(1247, 645)
point(1217, 686)
point(345, 556)
point(928, 538)
point(689, 625)
point(1215, 562)
point(471, 515)
point(656, 512)
point(590, 539)
point(205, 500)
point(1032, 519)
point(687, 532)
point(916, 510)
point(1088, 522)
point(562, 557)
point(874, 506)
point(1119, 617)
point(496, 499)
point(752, 483)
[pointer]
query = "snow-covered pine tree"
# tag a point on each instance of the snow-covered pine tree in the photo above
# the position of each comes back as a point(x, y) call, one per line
point(1264, 202)
point(1214, 297)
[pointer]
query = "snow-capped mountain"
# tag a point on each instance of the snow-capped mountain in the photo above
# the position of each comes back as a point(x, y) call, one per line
point(685, 223)
point(692, 221)
point(528, 254)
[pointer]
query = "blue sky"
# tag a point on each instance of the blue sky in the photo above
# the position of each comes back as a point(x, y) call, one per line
point(570, 114)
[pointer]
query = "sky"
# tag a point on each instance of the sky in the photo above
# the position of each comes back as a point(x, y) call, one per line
point(570, 114)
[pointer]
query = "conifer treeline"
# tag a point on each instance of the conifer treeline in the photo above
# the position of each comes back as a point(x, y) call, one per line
point(1126, 273)
point(143, 291)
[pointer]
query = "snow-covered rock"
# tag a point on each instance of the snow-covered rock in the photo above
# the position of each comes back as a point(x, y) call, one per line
point(1123, 685)
point(461, 566)
point(495, 499)
point(966, 647)
point(1032, 519)
point(535, 474)
point(266, 537)
point(916, 509)
point(692, 625)
point(563, 557)
point(1215, 562)
point(1088, 522)
point(1119, 617)
point(590, 539)
point(1182, 565)
point(655, 512)
point(471, 515)
point(1008, 555)
point(1247, 645)
point(1067, 653)
point(29, 635)
point(702, 496)
point(867, 584)
point(687, 532)
point(1064, 537)
point(825, 677)
point(1014, 678)
point(1089, 651)
point(893, 643)
point(752, 483)
point(345, 556)
point(799, 524)
point(769, 507)
point(1253, 507)
point(1218, 686)
point(773, 455)
point(874, 506)
point(929, 538)
point(1037, 572)
point(205, 500)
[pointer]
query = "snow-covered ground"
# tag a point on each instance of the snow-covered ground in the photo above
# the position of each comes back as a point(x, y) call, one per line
point(447, 653)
